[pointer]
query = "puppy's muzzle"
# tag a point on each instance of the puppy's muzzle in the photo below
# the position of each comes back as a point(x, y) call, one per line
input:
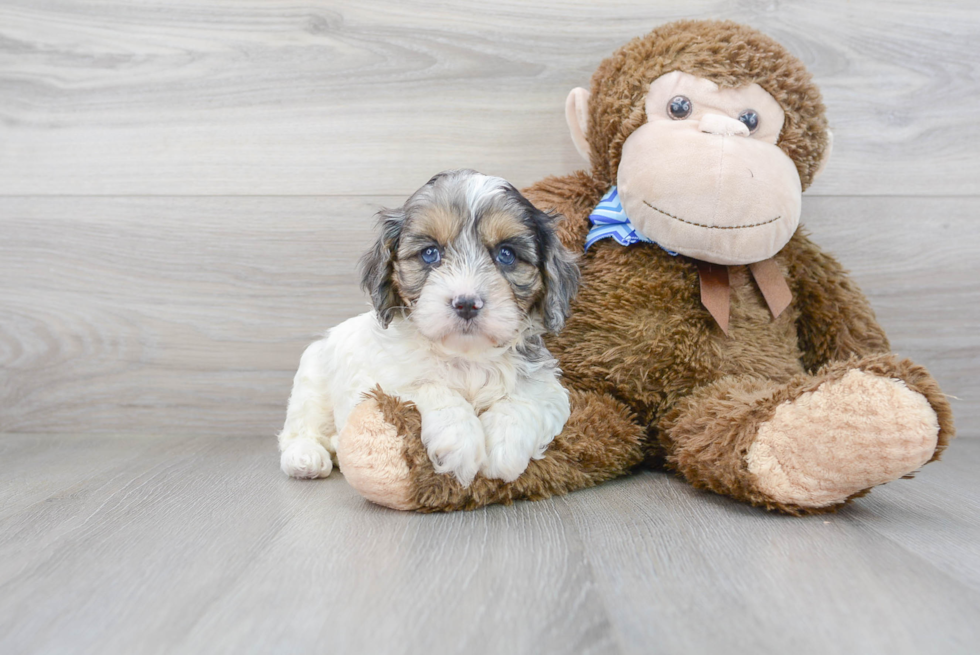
point(467, 307)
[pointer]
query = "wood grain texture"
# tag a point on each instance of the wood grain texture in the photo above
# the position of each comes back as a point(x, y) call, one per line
point(918, 262)
point(306, 97)
point(188, 315)
point(167, 309)
point(201, 545)
point(676, 561)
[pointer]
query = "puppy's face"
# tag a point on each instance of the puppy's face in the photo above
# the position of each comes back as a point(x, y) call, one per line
point(471, 262)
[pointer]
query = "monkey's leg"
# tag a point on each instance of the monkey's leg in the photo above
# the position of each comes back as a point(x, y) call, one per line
point(814, 443)
point(382, 457)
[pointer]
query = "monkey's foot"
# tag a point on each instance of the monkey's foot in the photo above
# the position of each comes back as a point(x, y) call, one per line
point(844, 437)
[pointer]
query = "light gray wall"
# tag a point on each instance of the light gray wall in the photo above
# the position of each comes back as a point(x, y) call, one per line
point(184, 189)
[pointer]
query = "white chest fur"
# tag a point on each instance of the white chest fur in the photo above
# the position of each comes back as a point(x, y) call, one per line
point(492, 410)
point(359, 354)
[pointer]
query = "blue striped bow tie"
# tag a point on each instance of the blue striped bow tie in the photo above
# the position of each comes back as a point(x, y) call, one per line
point(609, 219)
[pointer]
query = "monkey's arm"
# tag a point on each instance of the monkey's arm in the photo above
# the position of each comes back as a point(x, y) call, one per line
point(573, 196)
point(836, 321)
point(382, 457)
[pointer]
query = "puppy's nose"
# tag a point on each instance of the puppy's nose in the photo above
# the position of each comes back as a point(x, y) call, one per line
point(467, 306)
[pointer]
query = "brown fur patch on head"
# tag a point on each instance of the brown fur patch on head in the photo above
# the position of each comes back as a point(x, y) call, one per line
point(497, 229)
point(724, 52)
point(433, 226)
point(438, 222)
point(526, 285)
point(409, 278)
point(496, 226)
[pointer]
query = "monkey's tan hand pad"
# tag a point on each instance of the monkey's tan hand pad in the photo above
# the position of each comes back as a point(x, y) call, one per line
point(848, 435)
point(371, 456)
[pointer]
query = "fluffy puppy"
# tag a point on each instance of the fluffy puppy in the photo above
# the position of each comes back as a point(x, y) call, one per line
point(465, 278)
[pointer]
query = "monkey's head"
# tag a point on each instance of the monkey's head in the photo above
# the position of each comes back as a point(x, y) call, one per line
point(711, 131)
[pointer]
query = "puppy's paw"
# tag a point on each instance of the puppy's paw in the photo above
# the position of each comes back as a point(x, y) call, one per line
point(305, 458)
point(510, 445)
point(453, 438)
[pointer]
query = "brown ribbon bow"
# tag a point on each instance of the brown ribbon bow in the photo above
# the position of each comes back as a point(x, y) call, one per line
point(716, 290)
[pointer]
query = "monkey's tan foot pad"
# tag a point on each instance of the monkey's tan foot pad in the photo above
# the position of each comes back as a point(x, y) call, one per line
point(372, 459)
point(848, 435)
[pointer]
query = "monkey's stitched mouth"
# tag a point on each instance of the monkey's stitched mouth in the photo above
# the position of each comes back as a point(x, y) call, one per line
point(711, 227)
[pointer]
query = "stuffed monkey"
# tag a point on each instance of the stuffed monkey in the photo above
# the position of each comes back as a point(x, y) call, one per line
point(710, 334)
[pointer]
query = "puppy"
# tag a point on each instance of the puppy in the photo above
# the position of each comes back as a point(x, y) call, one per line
point(465, 279)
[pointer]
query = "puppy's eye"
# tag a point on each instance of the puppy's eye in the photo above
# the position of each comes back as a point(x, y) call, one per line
point(750, 118)
point(679, 108)
point(431, 255)
point(506, 256)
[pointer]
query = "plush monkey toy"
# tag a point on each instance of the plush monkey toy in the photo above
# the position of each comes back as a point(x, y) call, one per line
point(710, 334)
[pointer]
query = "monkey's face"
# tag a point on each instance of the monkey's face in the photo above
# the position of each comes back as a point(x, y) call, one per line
point(704, 176)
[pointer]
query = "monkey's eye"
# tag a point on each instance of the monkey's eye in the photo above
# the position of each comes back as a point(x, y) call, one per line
point(750, 118)
point(679, 108)
point(431, 255)
point(506, 256)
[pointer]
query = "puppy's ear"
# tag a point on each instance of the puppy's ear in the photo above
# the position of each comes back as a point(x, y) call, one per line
point(378, 266)
point(561, 273)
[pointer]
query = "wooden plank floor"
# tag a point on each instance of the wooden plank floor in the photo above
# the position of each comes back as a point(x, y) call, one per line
point(133, 544)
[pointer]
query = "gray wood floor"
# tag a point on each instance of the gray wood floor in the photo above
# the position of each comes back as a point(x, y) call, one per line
point(133, 544)
point(184, 191)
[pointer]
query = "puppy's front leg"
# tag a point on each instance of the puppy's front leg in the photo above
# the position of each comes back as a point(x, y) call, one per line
point(521, 426)
point(451, 432)
point(306, 440)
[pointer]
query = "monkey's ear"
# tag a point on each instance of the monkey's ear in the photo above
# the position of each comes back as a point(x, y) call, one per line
point(825, 157)
point(377, 265)
point(577, 117)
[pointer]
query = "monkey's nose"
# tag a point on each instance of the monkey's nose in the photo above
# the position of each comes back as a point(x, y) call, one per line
point(722, 125)
point(467, 306)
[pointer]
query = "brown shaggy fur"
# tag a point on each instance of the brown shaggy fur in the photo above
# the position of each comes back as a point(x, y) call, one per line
point(651, 373)
point(724, 52)
point(709, 432)
point(600, 441)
